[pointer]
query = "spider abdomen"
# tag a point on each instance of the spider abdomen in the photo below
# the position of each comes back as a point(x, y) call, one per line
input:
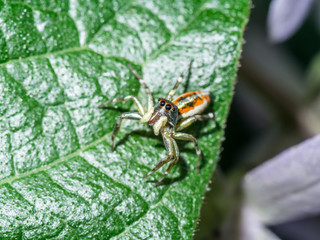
point(192, 103)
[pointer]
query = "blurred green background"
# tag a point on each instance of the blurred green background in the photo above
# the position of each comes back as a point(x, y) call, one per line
point(276, 105)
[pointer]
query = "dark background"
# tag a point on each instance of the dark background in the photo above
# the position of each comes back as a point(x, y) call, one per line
point(269, 113)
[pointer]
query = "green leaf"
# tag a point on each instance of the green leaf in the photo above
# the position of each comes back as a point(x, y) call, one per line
point(59, 61)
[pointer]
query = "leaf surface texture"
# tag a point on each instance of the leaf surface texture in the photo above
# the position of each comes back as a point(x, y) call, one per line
point(59, 60)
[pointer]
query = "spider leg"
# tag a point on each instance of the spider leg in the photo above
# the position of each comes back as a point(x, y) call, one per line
point(176, 85)
point(128, 115)
point(173, 162)
point(170, 149)
point(124, 99)
point(188, 137)
point(150, 109)
point(182, 124)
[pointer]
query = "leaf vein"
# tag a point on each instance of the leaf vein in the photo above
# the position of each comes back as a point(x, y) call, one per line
point(34, 7)
point(64, 189)
point(119, 183)
point(48, 54)
point(54, 163)
point(41, 211)
point(165, 45)
point(152, 206)
point(175, 218)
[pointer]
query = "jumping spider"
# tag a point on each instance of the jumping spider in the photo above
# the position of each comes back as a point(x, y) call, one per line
point(167, 117)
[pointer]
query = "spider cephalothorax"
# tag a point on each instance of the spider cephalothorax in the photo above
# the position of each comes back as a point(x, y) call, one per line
point(167, 117)
point(165, 112)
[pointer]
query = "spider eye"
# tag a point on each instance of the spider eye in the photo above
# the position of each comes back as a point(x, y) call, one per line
point(162, 103)
point(168, 106)
point(173, 109)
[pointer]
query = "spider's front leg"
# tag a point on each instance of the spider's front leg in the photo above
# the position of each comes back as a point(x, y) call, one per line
point(173, 152)
point(128, 115)
point(150, 109)
point(124, 99)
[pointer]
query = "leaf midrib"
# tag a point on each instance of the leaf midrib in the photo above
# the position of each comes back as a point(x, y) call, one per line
point(60, 160)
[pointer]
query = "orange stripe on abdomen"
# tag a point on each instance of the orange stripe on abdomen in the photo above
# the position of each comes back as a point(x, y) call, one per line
point(192, 103)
